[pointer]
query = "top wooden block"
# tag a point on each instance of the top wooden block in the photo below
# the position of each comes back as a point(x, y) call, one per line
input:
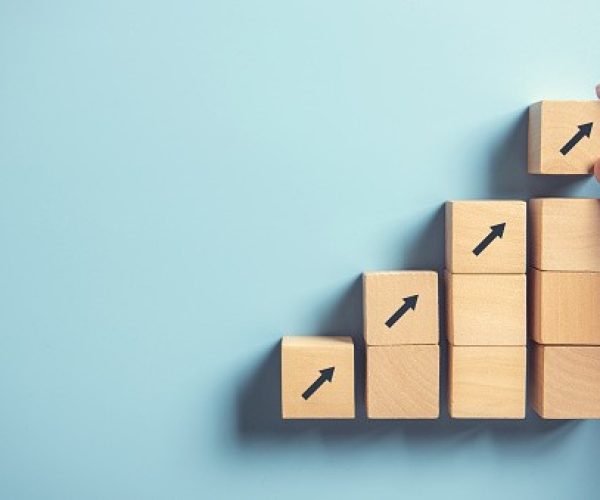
point(564, 137)
point(486, 237)
point(401, 307)
point(565, 234)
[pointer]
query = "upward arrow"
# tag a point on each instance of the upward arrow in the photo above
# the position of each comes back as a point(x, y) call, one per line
point(326, 375)
point(409, 303)
point(585, 130)
point(497, 231)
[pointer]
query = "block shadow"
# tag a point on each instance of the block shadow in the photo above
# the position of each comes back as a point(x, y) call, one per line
point(507, 169)
point(258, 404)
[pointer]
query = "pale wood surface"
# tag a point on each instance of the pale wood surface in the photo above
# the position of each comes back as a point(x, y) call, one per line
point(403, 382)
point(487, 382)
point(565, 234)
point(551, 125)
point(469, 222)
point(565, 307)
point(383, 295)
point(534, 139)
point(318, 341)
point(302, 358)
point(486, 309)
point(565, 382)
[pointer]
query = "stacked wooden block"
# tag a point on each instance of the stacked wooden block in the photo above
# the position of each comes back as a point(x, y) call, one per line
point(401, 330)
point(486, 308)
point(565, 300)
point(565, 273)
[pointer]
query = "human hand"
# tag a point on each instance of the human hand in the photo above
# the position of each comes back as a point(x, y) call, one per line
point(597, 165)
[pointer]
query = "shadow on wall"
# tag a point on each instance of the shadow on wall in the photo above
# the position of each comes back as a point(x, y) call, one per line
point(258, 399)
point(259, 407)
point(508, 177)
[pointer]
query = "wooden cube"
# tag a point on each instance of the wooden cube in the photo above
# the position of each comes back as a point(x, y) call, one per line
point(486, 309)
point(401, 307)
point(487, 382)
point(403, 381)
point(565, 381)
point(565, 233)
point(485, 236)
point(564, 137)
point(565, 307)
point(317, 377)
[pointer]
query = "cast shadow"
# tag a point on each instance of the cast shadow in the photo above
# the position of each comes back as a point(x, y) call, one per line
point(508, 177)
point(258, 406)
point(258, 399)
point(426, 249)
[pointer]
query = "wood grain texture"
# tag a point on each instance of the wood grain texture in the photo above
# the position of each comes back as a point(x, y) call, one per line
point(565, 307)
point(565, 382)
point(469, 222)
point(551, 125)
point(403, 382)
point(302, 358)
point(384, 294)
point(486, 309)
point(534, 139)
point(565, 234)
point(487, 382)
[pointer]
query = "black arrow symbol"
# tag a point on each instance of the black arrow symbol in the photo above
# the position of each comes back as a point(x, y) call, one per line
point(585, 130)
point(409, 303)
point(326, 375)
point(496, 232)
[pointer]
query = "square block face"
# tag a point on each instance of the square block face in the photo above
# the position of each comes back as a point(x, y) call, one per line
point(486, 309)
point(401, 308)
point(403, 381)
point(564, 137)
point(487, 382)
point(565, 234)
point(566, 382)
point(485, 236)
point(565, 307)
point(317, 377)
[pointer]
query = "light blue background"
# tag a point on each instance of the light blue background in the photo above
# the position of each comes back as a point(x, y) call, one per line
point(183, 182)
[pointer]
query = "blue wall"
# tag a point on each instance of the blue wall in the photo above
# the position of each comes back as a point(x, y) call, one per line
point(183, 182)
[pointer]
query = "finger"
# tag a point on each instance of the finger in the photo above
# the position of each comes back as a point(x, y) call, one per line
point(597, 170)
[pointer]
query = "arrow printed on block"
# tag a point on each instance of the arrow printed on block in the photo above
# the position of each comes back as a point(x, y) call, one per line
point(497, 231)
point(585, 130)
point(409, 303)
point(326, 376)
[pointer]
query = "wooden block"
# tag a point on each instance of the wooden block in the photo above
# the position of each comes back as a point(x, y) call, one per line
point(565, 234)
point(403, 381)
point(401, 307)
point(565, 381)
point(487, 382)
point(485, 236)
point(317, 377)
point(486, 309)
point(564, 137)
point(565, 307)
